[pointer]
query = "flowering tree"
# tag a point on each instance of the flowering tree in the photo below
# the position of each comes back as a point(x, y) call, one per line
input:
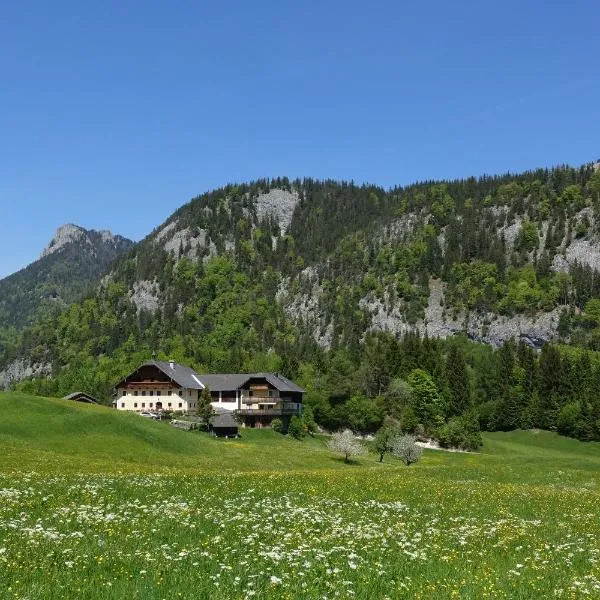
point(405, 447)
point(345, 443)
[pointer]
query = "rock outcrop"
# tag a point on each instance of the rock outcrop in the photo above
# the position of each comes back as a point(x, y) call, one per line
point(21, 369)
point(74, 234)
point(279, 204)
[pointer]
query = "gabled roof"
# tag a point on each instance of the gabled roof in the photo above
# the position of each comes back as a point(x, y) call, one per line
point(81, 397)
point(224, 420)
point(180, 374)
point(283, 384)
point(219, 382)
point(223, 382)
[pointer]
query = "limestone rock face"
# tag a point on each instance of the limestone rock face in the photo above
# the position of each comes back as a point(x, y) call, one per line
point(74, 234)
point(146, 296)
point(65, 234)
point(279, 204)
point(21, 369)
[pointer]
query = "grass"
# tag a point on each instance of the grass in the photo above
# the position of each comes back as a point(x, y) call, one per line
point(84, 437)
point(100, 504)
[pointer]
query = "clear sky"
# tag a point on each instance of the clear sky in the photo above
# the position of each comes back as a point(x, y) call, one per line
point(114, 113)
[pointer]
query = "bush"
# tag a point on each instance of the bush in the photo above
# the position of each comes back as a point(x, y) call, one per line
point(405, 447)
point(568, 421)
point(277, 425)
point(461, 432)
point(297, 428)
point(308, 419)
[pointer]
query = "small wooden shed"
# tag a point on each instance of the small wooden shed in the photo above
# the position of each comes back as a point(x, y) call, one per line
point(81, 397)
point(224, 425)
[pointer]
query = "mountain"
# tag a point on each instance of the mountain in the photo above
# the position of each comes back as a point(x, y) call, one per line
point(321, 279)
point(74, 260)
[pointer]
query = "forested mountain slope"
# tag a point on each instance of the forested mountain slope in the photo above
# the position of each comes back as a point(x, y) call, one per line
point(74, 259)
point(292, 276)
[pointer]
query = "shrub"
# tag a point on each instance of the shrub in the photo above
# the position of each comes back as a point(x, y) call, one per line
point(296, 428)
point(568, 421)
point(405, 447)
point(277, 425)
point(345, 443)
point(461, 432)
point(308, 419)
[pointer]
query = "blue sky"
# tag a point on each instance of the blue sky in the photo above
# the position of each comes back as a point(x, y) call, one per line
point(113, 114)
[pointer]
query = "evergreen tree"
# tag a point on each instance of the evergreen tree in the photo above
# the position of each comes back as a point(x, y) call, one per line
point(204, 407)
point(549, 383)
point(459, 382)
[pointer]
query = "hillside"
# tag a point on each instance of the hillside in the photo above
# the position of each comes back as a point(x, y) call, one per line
point(36, 432)
point(74, 259)
point(319, 280)
point(72, 263)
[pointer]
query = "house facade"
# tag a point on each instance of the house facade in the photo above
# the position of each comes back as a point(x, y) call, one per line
point(159, 386)
point(255, 399)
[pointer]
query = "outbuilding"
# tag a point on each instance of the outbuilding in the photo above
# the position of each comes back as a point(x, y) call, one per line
point(224, 425)
point(81, 397)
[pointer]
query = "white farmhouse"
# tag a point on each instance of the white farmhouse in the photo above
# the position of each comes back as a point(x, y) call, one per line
point(159, 385)
point(255, 398)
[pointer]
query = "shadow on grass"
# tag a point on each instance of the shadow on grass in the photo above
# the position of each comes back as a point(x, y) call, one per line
point(350, 462)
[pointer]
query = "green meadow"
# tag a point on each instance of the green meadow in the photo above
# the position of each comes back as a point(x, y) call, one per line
point(100, 504)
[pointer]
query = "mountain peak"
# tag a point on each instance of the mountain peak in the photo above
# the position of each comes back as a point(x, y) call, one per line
point(65, 234)
point(71, 233)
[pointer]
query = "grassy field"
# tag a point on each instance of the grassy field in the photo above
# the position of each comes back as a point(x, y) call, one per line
point(98, 504)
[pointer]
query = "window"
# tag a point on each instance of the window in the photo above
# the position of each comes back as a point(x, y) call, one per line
point(143, 405)
point(190, 393)
point(135, 392)
point(181, 392)
point(169, 405)
point(152, 392)
point(135, 405)
point(169, 393)
point(150, 404)
point(158, 392)
point(143, 392)
point(180, 405)
point(122, 404)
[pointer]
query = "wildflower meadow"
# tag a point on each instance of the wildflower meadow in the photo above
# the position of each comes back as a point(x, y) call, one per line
point(518, 520)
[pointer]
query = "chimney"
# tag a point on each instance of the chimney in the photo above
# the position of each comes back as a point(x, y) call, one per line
point(172, 364)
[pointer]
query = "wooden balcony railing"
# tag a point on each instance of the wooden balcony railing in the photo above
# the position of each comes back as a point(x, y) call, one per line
point(281, 408)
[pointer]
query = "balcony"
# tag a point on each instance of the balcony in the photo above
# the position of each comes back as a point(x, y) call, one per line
point(264, 399)
point(278, 410)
